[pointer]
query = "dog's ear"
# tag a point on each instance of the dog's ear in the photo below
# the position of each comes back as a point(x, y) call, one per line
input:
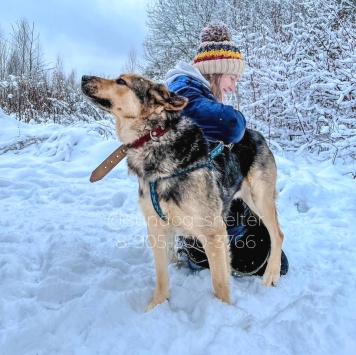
point(175, 102)
point(170, 100)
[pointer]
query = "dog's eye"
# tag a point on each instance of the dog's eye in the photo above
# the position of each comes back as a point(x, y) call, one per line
point(120, 81)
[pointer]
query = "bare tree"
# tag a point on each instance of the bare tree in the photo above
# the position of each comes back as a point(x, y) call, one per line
point(27, 57)
point(132, 63)
point(4, 55)
point(72, 78)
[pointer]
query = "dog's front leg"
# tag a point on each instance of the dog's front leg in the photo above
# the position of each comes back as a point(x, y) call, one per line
point(158, 240)
point(172, 255)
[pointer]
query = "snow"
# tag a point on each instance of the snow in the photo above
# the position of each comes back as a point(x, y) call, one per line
point(77, 273)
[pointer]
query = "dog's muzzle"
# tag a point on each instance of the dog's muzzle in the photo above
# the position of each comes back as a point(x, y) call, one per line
point(86, 78)
point(86, 88)
point(89, 88)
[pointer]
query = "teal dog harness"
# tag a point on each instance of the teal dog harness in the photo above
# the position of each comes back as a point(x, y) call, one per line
point(153, 184)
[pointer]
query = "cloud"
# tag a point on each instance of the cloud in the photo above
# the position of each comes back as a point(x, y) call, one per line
point(92, 36)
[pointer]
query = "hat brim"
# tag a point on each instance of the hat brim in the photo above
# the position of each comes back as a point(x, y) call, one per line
point(221, 66)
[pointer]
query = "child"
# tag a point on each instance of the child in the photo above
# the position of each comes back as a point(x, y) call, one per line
point(214, 72)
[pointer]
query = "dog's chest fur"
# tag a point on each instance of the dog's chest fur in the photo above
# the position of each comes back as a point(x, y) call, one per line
point(184, 146)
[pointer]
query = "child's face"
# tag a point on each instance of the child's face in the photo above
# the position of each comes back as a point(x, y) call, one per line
point(227, 83)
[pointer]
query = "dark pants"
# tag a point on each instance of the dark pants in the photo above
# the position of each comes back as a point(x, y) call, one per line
point(249, 244)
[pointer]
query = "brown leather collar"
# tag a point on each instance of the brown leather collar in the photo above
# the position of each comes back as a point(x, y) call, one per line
point(120, 153)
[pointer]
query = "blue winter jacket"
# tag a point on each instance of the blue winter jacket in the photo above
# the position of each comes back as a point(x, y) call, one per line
point(219, 122)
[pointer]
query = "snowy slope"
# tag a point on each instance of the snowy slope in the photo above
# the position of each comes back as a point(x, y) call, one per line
point(76, 273)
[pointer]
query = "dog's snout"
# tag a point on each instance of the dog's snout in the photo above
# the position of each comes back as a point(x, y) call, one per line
point(88, 88)
point(86, 78)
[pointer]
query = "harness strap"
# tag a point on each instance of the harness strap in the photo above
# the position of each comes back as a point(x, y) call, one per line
point(153, 184)
point(154, 200)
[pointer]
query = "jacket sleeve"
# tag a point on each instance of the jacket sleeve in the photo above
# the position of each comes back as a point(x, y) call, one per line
point(218, 121)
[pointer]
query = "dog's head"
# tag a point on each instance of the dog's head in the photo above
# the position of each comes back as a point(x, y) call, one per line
point(131, 97)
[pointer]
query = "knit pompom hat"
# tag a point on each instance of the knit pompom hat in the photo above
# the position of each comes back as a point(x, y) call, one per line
point(217, 54)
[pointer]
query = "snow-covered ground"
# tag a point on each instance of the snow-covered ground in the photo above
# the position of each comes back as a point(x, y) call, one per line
point(76, 273)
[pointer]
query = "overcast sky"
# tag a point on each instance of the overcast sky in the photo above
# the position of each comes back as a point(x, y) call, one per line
point(91, 36)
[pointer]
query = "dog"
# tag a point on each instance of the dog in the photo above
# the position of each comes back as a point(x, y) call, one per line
point(201, 188)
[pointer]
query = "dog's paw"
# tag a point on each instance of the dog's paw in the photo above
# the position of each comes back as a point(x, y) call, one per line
point(271, 276)
point(156, 301)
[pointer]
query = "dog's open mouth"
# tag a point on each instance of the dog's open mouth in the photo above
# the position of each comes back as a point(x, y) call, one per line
point(102, 102)
point(90, 90)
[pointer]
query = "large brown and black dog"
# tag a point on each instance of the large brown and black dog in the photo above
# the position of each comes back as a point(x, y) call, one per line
point(201, 196)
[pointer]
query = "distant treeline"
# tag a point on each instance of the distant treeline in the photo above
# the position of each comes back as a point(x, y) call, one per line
point(32, 89)
point(299, 87)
